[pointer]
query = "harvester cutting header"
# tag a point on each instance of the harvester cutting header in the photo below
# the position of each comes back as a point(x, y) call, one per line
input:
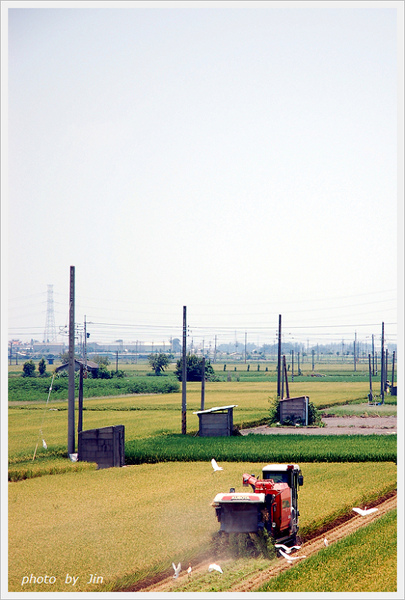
point(272, 506)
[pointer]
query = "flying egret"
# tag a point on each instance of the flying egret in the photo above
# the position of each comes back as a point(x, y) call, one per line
point(215, 465)
point(176, 570)
point(286, 549)
point(290, 558)
point(214, 567)
point(365, 512)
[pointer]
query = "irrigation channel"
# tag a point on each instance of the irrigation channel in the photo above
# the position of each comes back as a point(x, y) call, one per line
point(333, 531)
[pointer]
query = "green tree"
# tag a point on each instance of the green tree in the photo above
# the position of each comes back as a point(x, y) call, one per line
point(64, 357)
point(101, 360)
point(102, 372)
point(158, 362)
point(29, 369)
point(42, 367)
point(194, 369)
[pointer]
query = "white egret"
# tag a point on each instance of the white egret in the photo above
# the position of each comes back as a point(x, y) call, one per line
point(290, 558)
point(176, 570)
point(215, 465)
point(365, 512)
point(214, 567)
point(286, 549)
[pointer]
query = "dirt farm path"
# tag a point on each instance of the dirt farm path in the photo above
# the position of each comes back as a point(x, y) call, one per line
point(332, 531)
point(334, 425)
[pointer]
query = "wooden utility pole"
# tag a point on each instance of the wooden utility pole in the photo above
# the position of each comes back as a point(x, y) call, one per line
point(282, 382)
point(71, 388)
point(286, 377)
point(80, 420)
point(382, 365)
point(85, 344)
point(279, 358)
point(292, 365)
point(313, 360)
point(245, 345)
point(354, 350)
point(372, 351)
point(184, 376)
point(203, 384)
point(393, 369)
point(370, 396)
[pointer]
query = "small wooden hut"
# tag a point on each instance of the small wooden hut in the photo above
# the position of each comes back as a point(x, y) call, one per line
point(215, 422)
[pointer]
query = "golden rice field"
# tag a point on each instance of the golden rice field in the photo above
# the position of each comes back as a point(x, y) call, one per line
point(162, 412)
point(138, 519)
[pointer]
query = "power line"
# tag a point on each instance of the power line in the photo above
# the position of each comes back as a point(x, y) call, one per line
point(244, 304)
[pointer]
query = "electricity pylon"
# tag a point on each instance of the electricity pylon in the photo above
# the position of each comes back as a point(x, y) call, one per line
point(50, 329)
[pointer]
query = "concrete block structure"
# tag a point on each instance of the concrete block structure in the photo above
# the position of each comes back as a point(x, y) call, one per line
point(294, 410)
point(104, 446)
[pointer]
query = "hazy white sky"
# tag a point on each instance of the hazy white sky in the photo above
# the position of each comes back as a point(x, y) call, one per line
point(241, 161)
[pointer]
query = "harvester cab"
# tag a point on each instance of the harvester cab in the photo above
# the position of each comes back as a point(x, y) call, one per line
point(272, 505)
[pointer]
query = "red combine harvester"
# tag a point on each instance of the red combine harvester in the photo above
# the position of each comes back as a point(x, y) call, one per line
point(272, 506)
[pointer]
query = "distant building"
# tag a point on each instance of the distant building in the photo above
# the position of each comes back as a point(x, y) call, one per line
point(92, 367)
